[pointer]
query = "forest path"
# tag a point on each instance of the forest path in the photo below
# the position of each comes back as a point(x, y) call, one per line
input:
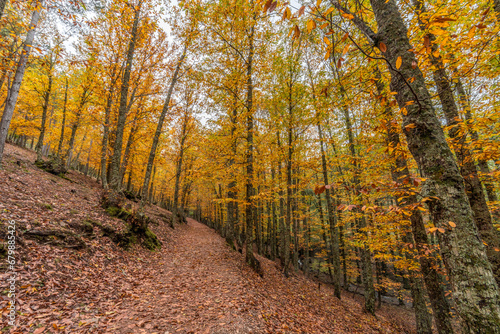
point(199, 285)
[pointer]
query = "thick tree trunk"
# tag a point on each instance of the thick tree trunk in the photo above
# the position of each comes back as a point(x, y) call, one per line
point(474, 289)
point(428, 263)
point(10, 104)
point(46, 101)
point(156, 137)
point(114, 182)
point(473, 186)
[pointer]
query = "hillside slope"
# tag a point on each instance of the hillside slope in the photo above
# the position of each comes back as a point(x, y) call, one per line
point(82, 282)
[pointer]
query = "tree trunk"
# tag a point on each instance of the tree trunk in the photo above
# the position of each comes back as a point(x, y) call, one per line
point(463, 99)
point(128, 147)
point(428, 263)
point(249, 206)
point(473, 186)
point(88, 157)
point(10, 104)
point(332, 217)
point(46, 101)
point(365, 255)
point(105, 137)
point(284, 225)
point(231, 192)
point(178, 169)
point(156, 137)
point(475, 291)
point(122, 110)
point(63, 125)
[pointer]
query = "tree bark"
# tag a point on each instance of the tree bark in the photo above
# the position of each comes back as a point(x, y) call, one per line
point(10, 104)
point(475, 291)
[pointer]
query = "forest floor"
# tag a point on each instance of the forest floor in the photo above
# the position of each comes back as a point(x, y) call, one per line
point(194, 284)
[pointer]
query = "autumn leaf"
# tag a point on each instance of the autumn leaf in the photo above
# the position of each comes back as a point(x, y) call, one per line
point(345, 50)
point(311, 24)
point(329, 10)
point(301, 11)
point(382, 47)
point(398, 63)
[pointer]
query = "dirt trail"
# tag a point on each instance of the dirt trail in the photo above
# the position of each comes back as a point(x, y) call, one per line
point(204, 287)
point(201, 288)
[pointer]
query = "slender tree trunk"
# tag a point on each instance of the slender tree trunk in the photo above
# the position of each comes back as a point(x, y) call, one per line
point(231, 193)
point(178, 170)
point(77, 159)
point(288, 220)
point(88, 157)
point(46, 101)
point(63, 125)
point(151, 186)
point(166, 106)
point(122, 110)
point(332, 219)
point(105, 139)
point(332, 215)
point(365, 255)
point(128, 147)
point(284, 225)
point(474, 288)
point(249, 205)
point(463, 99)
point(10, 104)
